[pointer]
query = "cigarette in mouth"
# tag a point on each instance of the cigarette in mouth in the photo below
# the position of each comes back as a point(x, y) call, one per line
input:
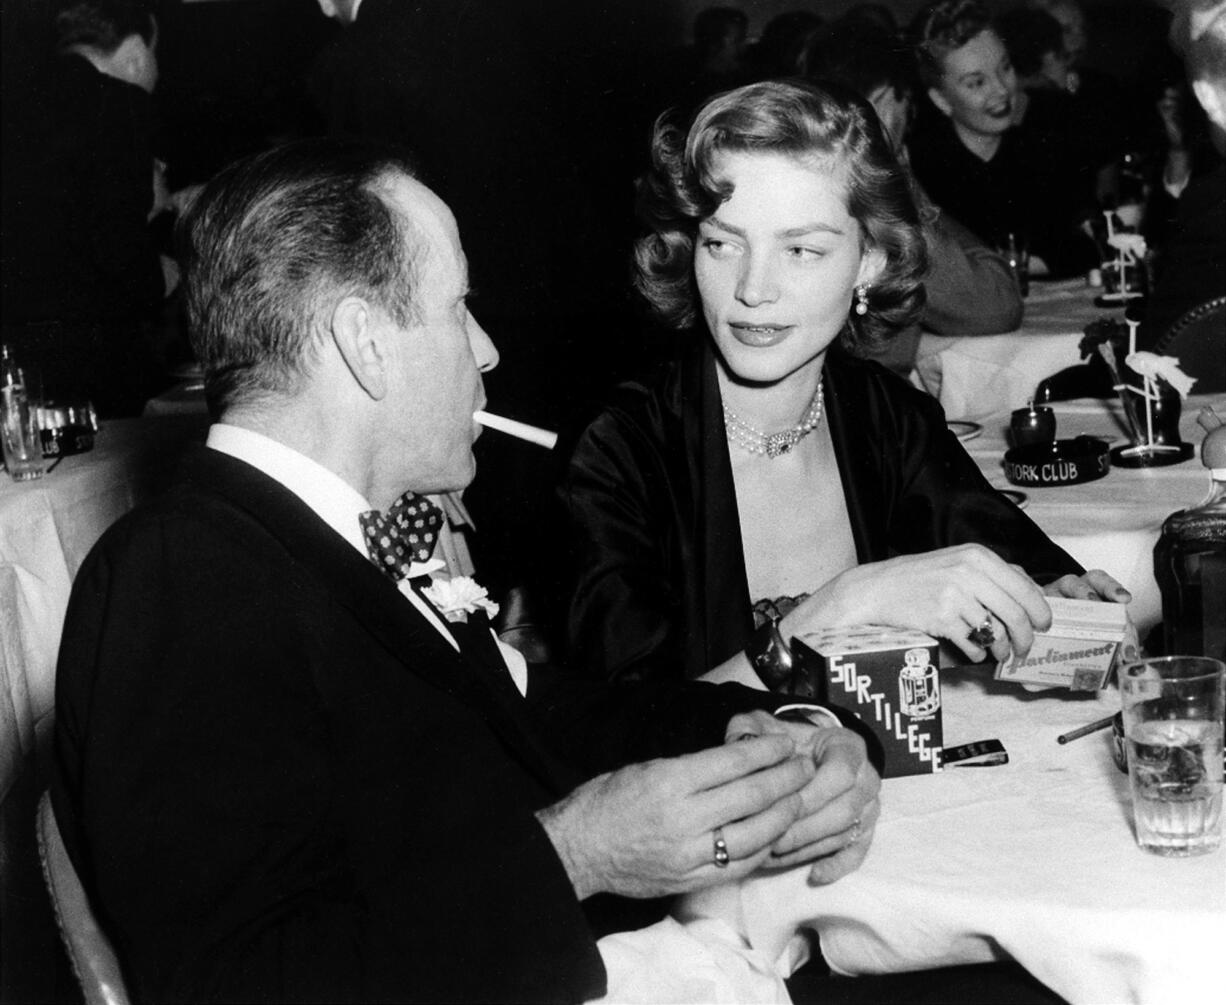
point(533, 434)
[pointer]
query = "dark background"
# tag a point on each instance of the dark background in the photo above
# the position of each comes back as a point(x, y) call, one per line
point(232, 70)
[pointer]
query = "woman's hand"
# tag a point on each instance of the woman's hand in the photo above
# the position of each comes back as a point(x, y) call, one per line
point(948, 593)
point(1093, 585)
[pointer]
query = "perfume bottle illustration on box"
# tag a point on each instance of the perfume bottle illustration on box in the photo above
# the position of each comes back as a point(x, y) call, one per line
point(919, 693)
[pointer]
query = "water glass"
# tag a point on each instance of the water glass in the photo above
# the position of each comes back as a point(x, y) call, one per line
point(1173, 714)
point(19, 429)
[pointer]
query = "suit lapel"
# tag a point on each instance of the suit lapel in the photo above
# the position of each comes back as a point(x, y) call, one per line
point(375, 602)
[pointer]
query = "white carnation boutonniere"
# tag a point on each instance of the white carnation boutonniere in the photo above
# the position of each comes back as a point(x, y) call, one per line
point(458, 597)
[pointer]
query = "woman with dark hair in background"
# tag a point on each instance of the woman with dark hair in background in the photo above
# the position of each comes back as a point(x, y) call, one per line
point(764, 480)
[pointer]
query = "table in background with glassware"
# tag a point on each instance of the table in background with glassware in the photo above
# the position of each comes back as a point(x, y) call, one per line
point(47, 526)
point(976, 377)
point(1034, 860)
point(1112, 523)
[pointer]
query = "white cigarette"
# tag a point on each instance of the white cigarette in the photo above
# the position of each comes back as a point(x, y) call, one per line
point(533, 434)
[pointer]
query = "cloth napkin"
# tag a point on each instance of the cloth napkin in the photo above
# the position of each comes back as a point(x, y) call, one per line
point(702, 961)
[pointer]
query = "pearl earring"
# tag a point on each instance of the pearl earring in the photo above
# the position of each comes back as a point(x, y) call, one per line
point(862, 299)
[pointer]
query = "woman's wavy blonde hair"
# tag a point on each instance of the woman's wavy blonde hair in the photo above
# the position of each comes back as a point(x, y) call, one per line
point(828, 127)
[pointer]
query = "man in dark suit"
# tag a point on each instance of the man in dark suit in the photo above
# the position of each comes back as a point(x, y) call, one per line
point(281, 774)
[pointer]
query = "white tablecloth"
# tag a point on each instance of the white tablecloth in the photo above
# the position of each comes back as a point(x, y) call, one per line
point(47, 527)
point(1112, 523)
point(984, 375)
point(1033, 860)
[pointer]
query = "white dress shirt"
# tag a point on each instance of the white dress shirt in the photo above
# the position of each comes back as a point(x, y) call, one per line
point(334, 500)
point(338, 504)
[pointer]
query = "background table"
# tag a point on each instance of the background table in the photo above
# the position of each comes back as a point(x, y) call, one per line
point(1112, 523)
point(47, 527)
point(977, 377)
point(1034, 860)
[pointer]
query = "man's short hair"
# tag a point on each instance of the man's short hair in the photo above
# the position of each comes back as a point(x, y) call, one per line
point(274, 239)
point(103, 24)
point(941, 28)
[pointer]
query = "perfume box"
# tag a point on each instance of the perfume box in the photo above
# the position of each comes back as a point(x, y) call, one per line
point(889, 678)
point(1077, 651)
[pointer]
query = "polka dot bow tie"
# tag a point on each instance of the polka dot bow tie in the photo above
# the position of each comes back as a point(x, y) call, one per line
point(406, 533)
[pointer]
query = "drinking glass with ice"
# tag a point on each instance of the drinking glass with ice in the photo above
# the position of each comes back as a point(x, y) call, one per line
point(1173, 714)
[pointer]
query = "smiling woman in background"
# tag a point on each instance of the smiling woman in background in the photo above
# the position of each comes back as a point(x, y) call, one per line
point(763, 480)
point(970, 154)
point(970, 289)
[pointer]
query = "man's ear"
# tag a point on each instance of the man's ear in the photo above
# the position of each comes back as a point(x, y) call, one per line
point(360, 339)
point(942, 102)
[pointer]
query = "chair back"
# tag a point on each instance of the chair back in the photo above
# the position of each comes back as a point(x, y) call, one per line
point(33, 966)
point(93, 959)
point(1198, 340)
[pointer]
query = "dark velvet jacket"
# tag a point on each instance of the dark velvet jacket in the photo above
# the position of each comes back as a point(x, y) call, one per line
point(658, 565)
point(280, 783)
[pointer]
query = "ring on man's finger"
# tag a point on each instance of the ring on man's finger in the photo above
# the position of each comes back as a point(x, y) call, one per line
point(720, 849)
point(855, 833)
point(983, 634)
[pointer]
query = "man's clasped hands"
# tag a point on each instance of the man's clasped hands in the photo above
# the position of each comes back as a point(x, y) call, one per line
point(777, 794)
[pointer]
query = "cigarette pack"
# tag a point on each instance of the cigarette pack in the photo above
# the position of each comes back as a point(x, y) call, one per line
point(889, 678)
point(1077, 651)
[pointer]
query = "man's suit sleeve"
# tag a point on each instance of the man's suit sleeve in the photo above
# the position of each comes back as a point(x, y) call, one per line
point(604, 726)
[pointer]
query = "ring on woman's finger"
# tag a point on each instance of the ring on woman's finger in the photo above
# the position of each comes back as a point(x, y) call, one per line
point(855, 833)
point(720, 849)
point(983, 634)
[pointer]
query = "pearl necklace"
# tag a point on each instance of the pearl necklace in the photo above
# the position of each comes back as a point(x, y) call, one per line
point(772, 445)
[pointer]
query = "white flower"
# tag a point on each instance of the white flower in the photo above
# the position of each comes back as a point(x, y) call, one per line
point(459, 597)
